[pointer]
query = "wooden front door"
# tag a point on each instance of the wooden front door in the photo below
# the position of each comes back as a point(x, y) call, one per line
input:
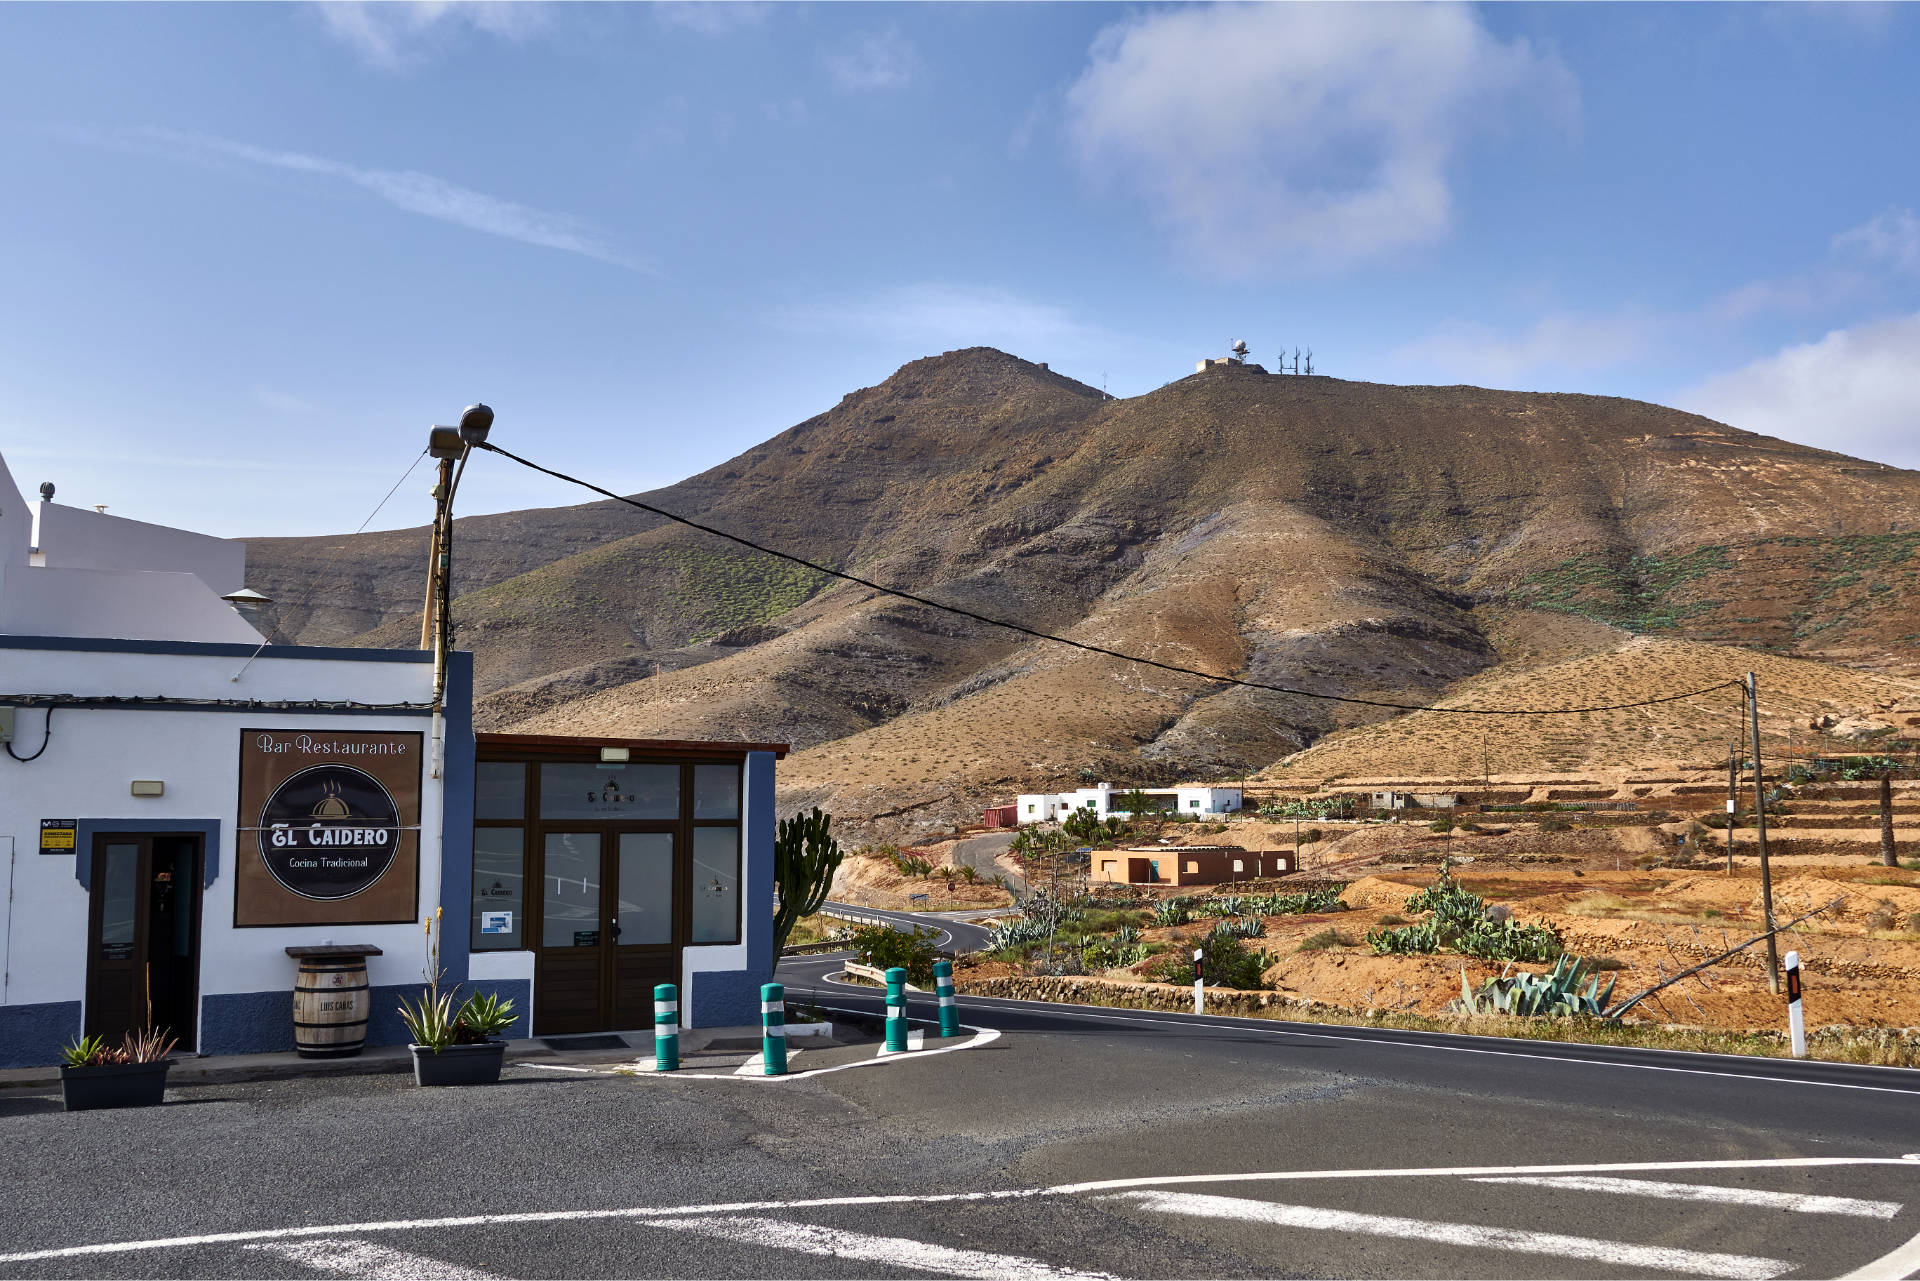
point(143, 936)
point(609, 927)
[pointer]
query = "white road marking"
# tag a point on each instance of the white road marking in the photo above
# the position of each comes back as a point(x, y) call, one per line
point(1101, 1014)
point(757, 1065)
point(1616, 1253)
point(365, 1259)
point(932, 1198)
point(559, 1067)
point(1799, 1203)
point(894, 1252)
point(1898, 1265)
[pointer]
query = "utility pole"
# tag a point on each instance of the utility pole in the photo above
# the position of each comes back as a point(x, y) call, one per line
point(430, 611)
point(1888, 855)
point(1732, 798)
point(1760, 834)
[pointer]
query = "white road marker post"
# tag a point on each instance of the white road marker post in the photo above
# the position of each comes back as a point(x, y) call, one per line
point(1796, 1021)
point(1199, 983)
point(666, 1027)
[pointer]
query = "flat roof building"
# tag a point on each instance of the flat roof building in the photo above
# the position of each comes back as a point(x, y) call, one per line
point(181, 803)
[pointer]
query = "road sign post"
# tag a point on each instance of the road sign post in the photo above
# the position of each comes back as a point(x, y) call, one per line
point(1199, 983)
point(943, 989)
point(666, 1027)
point(896, 1010)
point(1796, 1020)
point(773, 1029)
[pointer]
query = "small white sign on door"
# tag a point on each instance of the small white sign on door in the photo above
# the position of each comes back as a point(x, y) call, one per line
point(496, 922)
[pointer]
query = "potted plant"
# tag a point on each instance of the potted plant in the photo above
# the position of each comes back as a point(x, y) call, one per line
point(130, 1075)
point(454, 1044)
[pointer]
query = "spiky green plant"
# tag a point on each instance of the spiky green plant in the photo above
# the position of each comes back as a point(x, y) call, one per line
point(805, 857)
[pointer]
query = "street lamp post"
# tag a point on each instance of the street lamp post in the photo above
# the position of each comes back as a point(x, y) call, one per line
point(450, 445)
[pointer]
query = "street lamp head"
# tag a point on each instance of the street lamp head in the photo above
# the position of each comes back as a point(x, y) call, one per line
point(445, 442)
point(475, 422)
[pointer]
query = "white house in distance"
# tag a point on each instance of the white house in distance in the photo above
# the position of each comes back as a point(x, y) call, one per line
point(1198, 800)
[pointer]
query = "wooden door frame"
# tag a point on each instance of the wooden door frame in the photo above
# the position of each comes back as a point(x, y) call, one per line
point(193, 882)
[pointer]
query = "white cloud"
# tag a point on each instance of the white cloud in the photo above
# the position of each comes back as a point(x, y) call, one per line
point(393, 35)
point(1892, 240)
point(877, 60)
point(710, 17)
point(1276, 137)
point(1856, 390)
point(423, 194)
point(1560, 342)
point(943, 315)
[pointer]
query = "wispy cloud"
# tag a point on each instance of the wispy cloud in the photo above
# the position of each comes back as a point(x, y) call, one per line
point(710, 17)
point(1274, 139)
point(877, 60)
point(395, 34)
point(950, 315)
point(1559, 342)
point(419, 193)
point(1891, 241)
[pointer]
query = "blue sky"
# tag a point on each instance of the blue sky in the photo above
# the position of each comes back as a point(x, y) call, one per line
point(250, 252)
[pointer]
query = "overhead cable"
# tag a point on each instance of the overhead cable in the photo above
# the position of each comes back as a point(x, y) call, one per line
point(1036, 634)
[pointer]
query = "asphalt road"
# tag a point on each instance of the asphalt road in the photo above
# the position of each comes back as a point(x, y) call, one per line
point(1065, 1142)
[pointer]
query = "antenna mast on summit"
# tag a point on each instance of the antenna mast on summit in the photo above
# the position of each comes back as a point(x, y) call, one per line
point(1309, 360)
point(1237, 351)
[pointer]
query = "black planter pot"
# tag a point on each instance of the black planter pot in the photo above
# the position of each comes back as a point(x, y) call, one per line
point(114, 1085)
point(459, 1064)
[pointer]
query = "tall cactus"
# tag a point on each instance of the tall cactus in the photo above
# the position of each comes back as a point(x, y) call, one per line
point(805, 858)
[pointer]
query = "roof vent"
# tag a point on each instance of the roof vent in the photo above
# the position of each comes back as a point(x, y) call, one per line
point(46, 491)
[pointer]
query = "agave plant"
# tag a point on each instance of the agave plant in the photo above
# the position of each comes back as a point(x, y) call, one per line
point(1126, 936)
point(1173, 911)
point(1555, 994)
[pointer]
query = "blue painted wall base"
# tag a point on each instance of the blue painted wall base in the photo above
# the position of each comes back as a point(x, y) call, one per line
point(724, 998)
point(31, 1035)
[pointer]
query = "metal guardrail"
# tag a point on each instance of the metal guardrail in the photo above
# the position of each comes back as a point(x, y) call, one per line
point(859, 916)
point(873, 975)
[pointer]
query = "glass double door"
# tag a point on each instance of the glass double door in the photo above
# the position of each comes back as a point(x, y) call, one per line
point(609, 928)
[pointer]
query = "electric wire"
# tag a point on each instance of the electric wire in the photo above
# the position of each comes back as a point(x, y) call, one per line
point(1036, 634)
point(313, 584)
point(46, 736)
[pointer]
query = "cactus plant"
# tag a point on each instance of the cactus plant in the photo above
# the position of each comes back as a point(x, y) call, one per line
point(805, 857)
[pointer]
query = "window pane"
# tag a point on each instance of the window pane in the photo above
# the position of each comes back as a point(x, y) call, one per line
point(570, 890)
point(645, 902)
point(499, 894)
point(499, 790)
point(609, 791)
point(120, 889)
point(716, 791)
point(716, 884)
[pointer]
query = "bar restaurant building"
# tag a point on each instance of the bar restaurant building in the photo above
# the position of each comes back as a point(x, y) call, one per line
point(181, 803)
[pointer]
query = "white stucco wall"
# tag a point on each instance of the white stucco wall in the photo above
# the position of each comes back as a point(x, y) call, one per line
point(122, 604)
point(77, 538)
point(96, 753)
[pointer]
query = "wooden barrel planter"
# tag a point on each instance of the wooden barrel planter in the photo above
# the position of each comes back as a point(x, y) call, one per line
point(331, 999)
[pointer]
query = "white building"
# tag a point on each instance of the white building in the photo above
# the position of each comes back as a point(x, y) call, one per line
point(180, 803)
point(1198, 801)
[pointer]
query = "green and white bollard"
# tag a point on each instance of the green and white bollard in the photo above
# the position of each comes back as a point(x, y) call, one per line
point(666, 1028)
point(943, 988)
point(896, 1010)
point(773, 1028)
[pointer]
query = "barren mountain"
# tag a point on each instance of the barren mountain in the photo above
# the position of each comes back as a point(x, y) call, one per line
point(1306, 531)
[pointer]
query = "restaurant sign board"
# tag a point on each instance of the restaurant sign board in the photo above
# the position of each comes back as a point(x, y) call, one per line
point(329, 827)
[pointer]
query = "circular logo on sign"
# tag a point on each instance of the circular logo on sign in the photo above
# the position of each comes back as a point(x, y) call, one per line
point(329, 832)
